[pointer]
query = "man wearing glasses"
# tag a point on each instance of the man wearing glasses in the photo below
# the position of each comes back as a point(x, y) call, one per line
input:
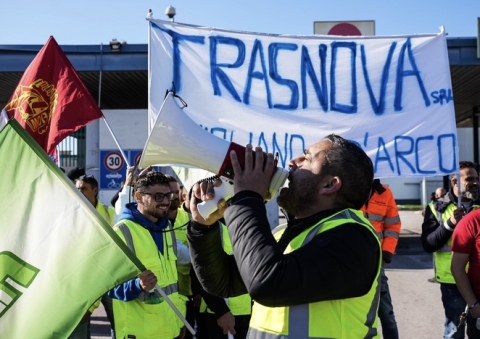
point(140, 312)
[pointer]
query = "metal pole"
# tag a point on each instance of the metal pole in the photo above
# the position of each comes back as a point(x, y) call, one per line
point(99, 103)
point(116, 141)
point(475, 134)
point(174, 308)
point(100, 77)
point(424, 191)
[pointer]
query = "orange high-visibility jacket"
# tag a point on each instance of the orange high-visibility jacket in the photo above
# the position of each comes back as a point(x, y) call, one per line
point(381, 210)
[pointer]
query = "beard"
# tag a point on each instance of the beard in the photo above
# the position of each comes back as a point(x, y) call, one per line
point(174, 204)
point(472, 195)
point(299, 194)
point(154, 212)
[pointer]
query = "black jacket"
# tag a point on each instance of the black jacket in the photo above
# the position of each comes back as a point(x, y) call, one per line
point(336, 264)
point(434, 233)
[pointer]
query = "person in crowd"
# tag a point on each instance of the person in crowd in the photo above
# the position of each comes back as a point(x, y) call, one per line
point(179, 218)
point(382, 212)
point(125, 194)
point(75, 173)
point(224, 316)
point(88, 186)
point(323, 271)
point(466, 252)
point(114, 199)
point(440, 220)
point(140, 311)
point(439, 192)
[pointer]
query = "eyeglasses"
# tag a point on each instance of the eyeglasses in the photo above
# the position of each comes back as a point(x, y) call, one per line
point(158, 197)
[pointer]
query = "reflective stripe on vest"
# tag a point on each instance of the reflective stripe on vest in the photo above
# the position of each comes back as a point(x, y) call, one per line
point(443, 256)
point(170, 289)
point(325, 319)
point(375, 217)
point(180, 227)
point(134, 317)
point(386, 221)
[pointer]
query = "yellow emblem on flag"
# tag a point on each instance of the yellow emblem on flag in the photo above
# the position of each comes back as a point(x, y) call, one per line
point(35, 103)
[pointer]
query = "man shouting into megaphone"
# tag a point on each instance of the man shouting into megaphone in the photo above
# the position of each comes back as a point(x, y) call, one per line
point(316, 276)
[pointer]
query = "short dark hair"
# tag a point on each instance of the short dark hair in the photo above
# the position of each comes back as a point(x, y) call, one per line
point(89, 179)
point(348, 161)
point(464, 164)
point(150, 179)
point(75, 173)
point(170, 178)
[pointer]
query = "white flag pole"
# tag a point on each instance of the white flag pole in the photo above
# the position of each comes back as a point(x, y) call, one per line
point(175, 309)
point(100, 100)
point(116, 141)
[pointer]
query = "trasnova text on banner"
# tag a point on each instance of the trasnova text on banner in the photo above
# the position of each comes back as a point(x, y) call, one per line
point(57, 254)
point(51, 101)
point(391, 95)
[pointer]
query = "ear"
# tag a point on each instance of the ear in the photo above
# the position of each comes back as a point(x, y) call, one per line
point(138, 197)
point(453, 181)
point(330, 185)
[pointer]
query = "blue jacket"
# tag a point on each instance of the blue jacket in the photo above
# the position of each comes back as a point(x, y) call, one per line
point(131, 289)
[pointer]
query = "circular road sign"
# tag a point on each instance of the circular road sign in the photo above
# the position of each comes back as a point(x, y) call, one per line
point(113, 161)
point(137, 158)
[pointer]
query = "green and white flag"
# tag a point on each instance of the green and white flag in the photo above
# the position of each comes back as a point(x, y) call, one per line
point(57, 254)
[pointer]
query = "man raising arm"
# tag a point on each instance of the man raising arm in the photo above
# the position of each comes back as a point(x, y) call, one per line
point(327, 258)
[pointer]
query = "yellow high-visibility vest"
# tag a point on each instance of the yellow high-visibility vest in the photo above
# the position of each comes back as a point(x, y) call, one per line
point(344, 318)
point(136, 317)
point(443, 256)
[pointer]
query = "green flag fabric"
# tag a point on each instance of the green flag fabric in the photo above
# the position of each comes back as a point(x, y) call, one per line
point(57, 254)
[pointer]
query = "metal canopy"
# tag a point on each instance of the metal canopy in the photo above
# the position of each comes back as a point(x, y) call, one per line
point(125, 74)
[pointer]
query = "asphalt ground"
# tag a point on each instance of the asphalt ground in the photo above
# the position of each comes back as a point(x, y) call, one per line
point(416, 301)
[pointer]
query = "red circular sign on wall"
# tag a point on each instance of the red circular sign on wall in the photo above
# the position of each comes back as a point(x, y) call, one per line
point(113, 161)
point(345, 29)
point(137, 158)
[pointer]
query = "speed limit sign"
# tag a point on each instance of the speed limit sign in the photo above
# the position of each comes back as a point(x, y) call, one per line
point(113, 161)
point(137, 158)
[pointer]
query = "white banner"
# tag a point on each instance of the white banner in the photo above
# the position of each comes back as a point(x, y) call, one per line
point(391, 95)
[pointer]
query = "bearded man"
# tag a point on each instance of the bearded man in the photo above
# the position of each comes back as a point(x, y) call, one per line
point(318, 276)
point(439, 222)
point(138, 308)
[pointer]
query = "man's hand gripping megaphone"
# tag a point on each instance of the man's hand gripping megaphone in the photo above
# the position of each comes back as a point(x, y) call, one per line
point(259, 174)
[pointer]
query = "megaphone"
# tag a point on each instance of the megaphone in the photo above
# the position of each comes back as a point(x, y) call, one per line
point(175, 139)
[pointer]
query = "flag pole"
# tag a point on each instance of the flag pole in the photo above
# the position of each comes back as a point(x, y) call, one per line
point(175, 309)
point(116, 141)
point(99, 101)
point(459, 190)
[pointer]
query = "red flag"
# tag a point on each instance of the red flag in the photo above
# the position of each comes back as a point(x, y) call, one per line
point(51, 101)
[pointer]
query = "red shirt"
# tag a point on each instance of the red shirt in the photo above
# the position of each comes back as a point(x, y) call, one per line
point(466, 239)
